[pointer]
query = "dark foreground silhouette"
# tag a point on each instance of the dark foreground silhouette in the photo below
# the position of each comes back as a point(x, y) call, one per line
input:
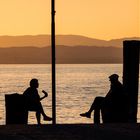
point(113, 106)
point(33, 100)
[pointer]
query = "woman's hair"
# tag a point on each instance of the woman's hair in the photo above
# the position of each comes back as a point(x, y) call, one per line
point(33, 82)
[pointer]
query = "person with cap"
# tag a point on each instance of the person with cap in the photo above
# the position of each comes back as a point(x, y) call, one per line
point(33, 100)
point(113, 100)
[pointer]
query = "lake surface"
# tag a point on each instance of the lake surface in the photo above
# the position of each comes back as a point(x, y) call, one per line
point(76, 87)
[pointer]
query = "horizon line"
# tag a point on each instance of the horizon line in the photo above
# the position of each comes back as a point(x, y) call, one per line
point(22, 35)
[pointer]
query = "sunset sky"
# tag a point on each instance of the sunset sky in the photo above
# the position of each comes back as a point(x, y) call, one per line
point(102, 19)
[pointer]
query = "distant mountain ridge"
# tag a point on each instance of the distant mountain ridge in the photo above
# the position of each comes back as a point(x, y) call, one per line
point(64, 55)
point(70, 49)
point(66, 40)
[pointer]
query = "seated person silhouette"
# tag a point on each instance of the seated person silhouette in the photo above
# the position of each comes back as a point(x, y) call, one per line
point(112, 106)
point(33, 100)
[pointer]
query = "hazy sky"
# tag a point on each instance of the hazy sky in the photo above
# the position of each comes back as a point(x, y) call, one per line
point(103, 19)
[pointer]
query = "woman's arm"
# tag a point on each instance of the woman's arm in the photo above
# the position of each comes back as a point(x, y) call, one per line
point(45, 95)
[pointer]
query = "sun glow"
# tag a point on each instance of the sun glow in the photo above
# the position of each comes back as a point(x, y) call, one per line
point(103, 19)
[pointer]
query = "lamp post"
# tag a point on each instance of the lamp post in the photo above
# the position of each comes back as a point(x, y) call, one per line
point(53, 61)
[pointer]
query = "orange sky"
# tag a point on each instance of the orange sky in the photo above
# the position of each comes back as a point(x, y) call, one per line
point(102, 19)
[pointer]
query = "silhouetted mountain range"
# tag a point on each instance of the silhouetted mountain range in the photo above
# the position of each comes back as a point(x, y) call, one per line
point(64, 54)
point(69, 49)
point(66, 40)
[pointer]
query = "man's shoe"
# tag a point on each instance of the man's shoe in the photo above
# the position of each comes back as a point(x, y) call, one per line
point(46, 118)
point(86, 114)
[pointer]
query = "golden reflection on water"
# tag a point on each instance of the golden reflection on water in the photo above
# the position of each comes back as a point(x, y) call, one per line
point(76, 87)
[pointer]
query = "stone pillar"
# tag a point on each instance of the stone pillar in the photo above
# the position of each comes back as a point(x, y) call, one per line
point(131, 56)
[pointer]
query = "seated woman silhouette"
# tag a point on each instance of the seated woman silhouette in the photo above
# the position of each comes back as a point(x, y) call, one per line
point(33, 100)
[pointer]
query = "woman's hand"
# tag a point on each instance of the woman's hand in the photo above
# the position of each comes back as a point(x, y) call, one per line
point(45, 93)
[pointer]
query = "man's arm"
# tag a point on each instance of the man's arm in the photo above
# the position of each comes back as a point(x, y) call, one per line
point(109, 93)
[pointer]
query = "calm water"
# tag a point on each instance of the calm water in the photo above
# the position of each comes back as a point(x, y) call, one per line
point(76, 85)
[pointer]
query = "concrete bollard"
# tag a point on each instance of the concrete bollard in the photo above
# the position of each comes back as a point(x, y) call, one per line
point(16, 112)
point(131, 56)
